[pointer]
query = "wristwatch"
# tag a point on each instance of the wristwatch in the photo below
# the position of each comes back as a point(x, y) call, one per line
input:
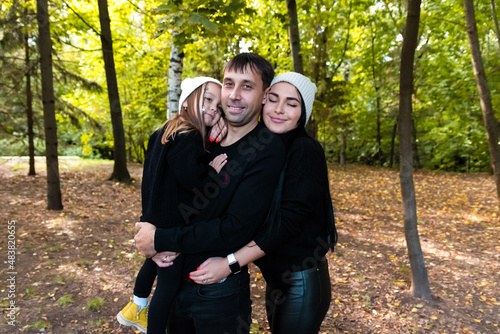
point(234, 266)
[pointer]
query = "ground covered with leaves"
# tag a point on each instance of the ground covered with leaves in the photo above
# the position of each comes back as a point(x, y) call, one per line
point(74, 269)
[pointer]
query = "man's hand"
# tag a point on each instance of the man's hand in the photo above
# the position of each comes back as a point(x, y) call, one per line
point(145, 239)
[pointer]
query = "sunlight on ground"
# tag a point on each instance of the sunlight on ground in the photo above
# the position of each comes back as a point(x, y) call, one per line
point(74, 163)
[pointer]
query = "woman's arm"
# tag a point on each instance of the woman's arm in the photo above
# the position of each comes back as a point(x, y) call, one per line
point(216, 269)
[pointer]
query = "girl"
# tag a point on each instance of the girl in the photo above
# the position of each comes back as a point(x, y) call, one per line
point(300, 227)
point(174, 166)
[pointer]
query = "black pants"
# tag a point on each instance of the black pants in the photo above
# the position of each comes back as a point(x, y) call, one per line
point(167, 286)
point(297, 302)
point(219, 308)
point(145, 279)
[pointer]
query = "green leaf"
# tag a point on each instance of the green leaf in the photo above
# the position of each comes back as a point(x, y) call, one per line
point(198, 19)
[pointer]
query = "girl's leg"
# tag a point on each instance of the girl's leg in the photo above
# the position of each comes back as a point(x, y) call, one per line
point(167, 286)
point(299, 301)
point(145, 279)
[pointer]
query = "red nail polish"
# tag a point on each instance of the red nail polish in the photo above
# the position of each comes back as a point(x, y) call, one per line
point(217, 141)
point(211, 139)
point(190, 276)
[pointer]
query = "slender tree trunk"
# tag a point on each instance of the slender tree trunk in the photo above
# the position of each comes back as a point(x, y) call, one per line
point(416, 156)
point(29, 107)
point(490, 122)
point(343, 147)
point(393, 140)
point(54, 201)
point(379, 108)
point(120, 172)
point(380, 154)
point(420, 282)
point(298, 66)
point(293, 33)
point(495, 20)
point(174, 79)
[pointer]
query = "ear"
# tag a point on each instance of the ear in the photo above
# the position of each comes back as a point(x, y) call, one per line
point(266, 93)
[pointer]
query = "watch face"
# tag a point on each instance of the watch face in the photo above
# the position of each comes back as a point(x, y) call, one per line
point(235, 267)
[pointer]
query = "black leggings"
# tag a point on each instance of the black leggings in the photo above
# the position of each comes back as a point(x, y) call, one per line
point(167, 286)
point(297, 302)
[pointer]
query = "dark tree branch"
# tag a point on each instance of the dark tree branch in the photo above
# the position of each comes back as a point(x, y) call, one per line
point(81, 18)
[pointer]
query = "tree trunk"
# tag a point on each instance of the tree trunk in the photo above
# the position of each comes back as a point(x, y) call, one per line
point(293, 33)
point(174, 79)
point(379, 108)
point(29, 107)
point(416, 156)
point(54, 201)
point(490, 121)
point(495, 20)
point(393, 140)
point(120, 172)
point(380, 154)
point(343, 147)
point(420, 281)
point(298, 66)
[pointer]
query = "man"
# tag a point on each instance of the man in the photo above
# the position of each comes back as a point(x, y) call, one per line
point(228, 212)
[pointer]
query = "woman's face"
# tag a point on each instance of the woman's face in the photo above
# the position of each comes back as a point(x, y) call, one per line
point(283, 108)
point(211, 102)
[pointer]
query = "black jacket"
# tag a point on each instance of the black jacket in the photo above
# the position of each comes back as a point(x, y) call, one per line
point(298, 238)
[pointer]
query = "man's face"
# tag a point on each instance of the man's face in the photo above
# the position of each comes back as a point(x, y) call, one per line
point(242, 96)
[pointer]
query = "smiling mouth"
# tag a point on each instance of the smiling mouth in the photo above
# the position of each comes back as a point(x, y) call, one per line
point(278, 120)
point(233, 109)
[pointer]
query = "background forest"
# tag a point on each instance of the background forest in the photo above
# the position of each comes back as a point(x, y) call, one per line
point(350, 48)
point(107, 82)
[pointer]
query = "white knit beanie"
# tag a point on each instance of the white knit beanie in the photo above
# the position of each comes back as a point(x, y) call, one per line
point(188, 86)
point(305, 86)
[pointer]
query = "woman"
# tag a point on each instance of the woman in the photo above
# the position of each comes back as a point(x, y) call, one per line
point(174, 165)
point(300, 226)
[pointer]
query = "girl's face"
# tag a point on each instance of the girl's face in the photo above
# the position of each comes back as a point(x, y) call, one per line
point(283, 108)
point(212, 105)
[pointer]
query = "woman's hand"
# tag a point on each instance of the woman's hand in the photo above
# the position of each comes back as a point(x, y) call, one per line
point(219, 130)
point(145, 239)
point(165, 259)
point(218, 162)
point(211, 271)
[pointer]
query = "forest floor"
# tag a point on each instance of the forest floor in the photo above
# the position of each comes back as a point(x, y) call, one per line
point(74, 269)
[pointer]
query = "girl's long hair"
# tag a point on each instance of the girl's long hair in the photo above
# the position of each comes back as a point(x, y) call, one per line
point(188, 120)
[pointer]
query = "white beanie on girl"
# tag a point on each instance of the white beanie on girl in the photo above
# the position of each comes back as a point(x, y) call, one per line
point(188, 86)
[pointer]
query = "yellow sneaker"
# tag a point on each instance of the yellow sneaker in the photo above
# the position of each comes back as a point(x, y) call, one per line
point(132, 316)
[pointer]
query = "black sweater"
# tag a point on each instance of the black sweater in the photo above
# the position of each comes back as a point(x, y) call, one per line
point(234, 205)
point(299, 239)
point(171, 172)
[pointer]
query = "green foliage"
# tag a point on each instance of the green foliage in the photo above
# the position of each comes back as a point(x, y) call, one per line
point(39, 324)
point(66, 299)
point(95, 304)
point(350, 48)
